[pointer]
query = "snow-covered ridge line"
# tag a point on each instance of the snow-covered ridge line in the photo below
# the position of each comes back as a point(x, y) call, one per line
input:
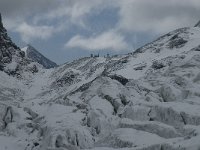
point(34, 55)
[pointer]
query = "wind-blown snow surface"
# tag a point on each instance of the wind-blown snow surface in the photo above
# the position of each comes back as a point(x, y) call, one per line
point(146, 100)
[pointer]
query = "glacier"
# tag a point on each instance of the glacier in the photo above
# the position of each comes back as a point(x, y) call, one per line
point(145, 100)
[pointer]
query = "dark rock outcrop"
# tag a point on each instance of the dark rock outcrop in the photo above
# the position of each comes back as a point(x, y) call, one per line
point(197, 24)
point(8, 49)
point(119, 78)
point(1, 24)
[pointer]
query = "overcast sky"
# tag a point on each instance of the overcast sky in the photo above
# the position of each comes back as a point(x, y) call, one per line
point(64, 30)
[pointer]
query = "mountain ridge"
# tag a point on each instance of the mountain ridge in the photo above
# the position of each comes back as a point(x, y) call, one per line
point(36, 56)
point(197, 24)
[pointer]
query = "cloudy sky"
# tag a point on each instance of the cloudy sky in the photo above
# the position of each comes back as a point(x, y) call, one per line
point(64, 30)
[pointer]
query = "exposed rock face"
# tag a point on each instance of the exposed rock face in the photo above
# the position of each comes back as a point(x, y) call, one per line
point(176, 42)
point(197, 25)
point(12, 59)
point(7, 48)
point(1, 24)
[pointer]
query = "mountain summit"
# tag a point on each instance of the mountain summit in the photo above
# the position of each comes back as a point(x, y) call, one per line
point(1, 24)
point(36, 56)
point(198, 24)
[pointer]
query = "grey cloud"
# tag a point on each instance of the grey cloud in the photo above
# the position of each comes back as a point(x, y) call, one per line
point(134, 13)
point(158, 15)
point(10, 8)
point(27, 15)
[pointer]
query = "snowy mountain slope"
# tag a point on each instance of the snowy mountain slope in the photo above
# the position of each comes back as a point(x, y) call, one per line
point(33, 54)
point(146, 100)
point(174, 43)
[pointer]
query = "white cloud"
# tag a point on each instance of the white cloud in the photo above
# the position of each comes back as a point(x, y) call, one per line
point(29, 32)
point(108, 40)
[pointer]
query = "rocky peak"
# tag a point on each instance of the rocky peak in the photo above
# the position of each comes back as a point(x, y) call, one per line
point(1, 24)
point(36, 56)
point(197, 24)
point(8, 49)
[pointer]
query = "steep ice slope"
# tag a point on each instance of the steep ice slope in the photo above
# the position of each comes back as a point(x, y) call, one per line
point(146, 100)
point(34, 55)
